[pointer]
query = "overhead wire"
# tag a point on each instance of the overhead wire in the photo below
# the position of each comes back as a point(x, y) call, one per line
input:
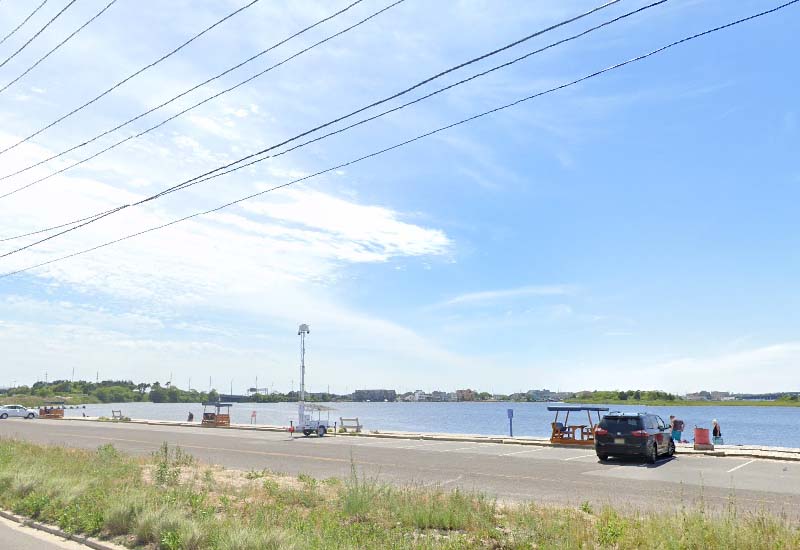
point(412, 140)
point(57, 46)
point(185, 92)
point(18, 27)
point(129, 77)
point(364, 108)
point(40, 31)
point(196, 179)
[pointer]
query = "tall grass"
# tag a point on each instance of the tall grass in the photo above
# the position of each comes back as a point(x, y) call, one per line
point(169, 502)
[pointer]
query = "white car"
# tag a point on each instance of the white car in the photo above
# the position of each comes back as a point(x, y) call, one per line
point(18, 411)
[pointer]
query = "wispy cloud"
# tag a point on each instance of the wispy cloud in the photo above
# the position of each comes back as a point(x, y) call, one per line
point(488, 296)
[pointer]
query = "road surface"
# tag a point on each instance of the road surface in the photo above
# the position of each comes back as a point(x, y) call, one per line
point(509, 472)
point(16, 537)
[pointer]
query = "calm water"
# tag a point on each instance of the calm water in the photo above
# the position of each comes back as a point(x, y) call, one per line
point(775, 426)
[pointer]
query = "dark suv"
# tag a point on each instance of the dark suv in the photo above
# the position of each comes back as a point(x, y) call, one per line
point(637, 434)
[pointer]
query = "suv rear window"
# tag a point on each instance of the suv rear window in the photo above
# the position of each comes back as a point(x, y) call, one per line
point(621, 424)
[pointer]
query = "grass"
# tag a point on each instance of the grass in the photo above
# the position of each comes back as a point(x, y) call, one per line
point(169, 501)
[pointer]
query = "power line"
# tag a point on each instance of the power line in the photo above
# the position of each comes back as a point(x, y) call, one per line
point(196, 179)
point(409, 141)
point(126, 79)
point(384, 100)
point(114, 145)
point(40, 31)
point(18, 27)
point(45, 56)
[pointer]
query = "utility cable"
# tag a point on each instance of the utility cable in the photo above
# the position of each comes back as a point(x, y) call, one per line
point(197, 179)
point(18, 27)
point(126, 79)
point(45, 56)
point(167, 102)
point(40, 31)
point(412, 140)
point(384, 100)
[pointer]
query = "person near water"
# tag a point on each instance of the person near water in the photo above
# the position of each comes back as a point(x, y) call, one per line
point(191, 417)
point(716, 432)
point(677, 428)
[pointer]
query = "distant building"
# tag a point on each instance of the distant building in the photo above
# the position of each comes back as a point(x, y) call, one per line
point(465, 395)
point(374, 395)
point(540, 395)
point(439, 396)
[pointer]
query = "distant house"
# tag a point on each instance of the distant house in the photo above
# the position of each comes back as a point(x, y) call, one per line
point(439, 396)
point(540, 395)
point(374, 395)
point(465, 395)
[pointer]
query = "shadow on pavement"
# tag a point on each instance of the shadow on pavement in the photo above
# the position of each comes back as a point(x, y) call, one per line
point(635, 461)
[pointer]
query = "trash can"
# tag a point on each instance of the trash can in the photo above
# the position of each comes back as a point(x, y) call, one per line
point(702, 440)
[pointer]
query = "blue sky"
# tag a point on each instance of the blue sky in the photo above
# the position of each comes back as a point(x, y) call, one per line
point(639, 230)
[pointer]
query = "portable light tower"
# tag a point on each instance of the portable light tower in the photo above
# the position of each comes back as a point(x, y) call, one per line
point(301, 407)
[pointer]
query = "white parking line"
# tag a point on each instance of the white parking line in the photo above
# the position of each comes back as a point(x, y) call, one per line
point(741, 466)
point(525, 451)
point(421, 445)
point(459, 449)
point(581, 456)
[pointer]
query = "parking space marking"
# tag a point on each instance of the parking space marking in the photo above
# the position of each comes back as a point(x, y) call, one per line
point(421, 445)
point(470, 448)
point(581, 456)
point(740, 466)
point(525, 451)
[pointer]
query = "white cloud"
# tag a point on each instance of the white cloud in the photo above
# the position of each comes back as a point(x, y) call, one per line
point(487, 296)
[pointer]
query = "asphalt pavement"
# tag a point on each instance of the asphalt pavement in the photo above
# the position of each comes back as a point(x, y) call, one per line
point(546, 475)
point(16, 537)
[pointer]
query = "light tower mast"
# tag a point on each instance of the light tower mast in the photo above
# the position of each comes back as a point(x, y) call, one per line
point(301, 408)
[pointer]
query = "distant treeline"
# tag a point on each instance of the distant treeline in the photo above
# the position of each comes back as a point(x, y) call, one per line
point(124, 391)
point(629, 395)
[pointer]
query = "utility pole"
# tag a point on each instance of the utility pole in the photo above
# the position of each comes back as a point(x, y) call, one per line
point(190, 383)
point(231, 387)
point(71, 380)
point(45, 377)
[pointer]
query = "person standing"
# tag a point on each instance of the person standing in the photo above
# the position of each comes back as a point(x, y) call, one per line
point(677, 428)
point(716, 433)
point(191, 417)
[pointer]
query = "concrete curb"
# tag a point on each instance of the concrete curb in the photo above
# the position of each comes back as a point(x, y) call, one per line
point(744, 451)
point(80, 539)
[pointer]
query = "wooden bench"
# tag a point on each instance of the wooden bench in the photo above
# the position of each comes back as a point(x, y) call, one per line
point(116, 415)
point(347, 424)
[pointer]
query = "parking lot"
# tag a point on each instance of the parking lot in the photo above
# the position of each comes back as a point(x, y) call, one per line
point(509, 472)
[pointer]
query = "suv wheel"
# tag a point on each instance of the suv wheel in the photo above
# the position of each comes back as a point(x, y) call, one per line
point(30, 415)
point(321, 431)
point(4, 416)
point(671, 448)
point(652, 454)
point(602, 457)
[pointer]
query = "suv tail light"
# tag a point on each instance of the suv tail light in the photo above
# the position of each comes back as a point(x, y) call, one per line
point(639, 433)
point(600, 431)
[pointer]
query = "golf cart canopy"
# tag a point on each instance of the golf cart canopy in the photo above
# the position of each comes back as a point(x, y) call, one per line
point(573, 408)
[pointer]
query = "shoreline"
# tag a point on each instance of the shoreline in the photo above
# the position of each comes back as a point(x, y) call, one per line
point(767, 452)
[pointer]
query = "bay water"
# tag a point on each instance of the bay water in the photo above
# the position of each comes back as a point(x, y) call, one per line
point(771, 426)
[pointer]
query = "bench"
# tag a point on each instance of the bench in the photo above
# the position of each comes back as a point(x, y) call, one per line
point(116, 415)
point(347, 424)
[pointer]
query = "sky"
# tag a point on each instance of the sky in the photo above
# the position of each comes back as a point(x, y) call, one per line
point(636, 230)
